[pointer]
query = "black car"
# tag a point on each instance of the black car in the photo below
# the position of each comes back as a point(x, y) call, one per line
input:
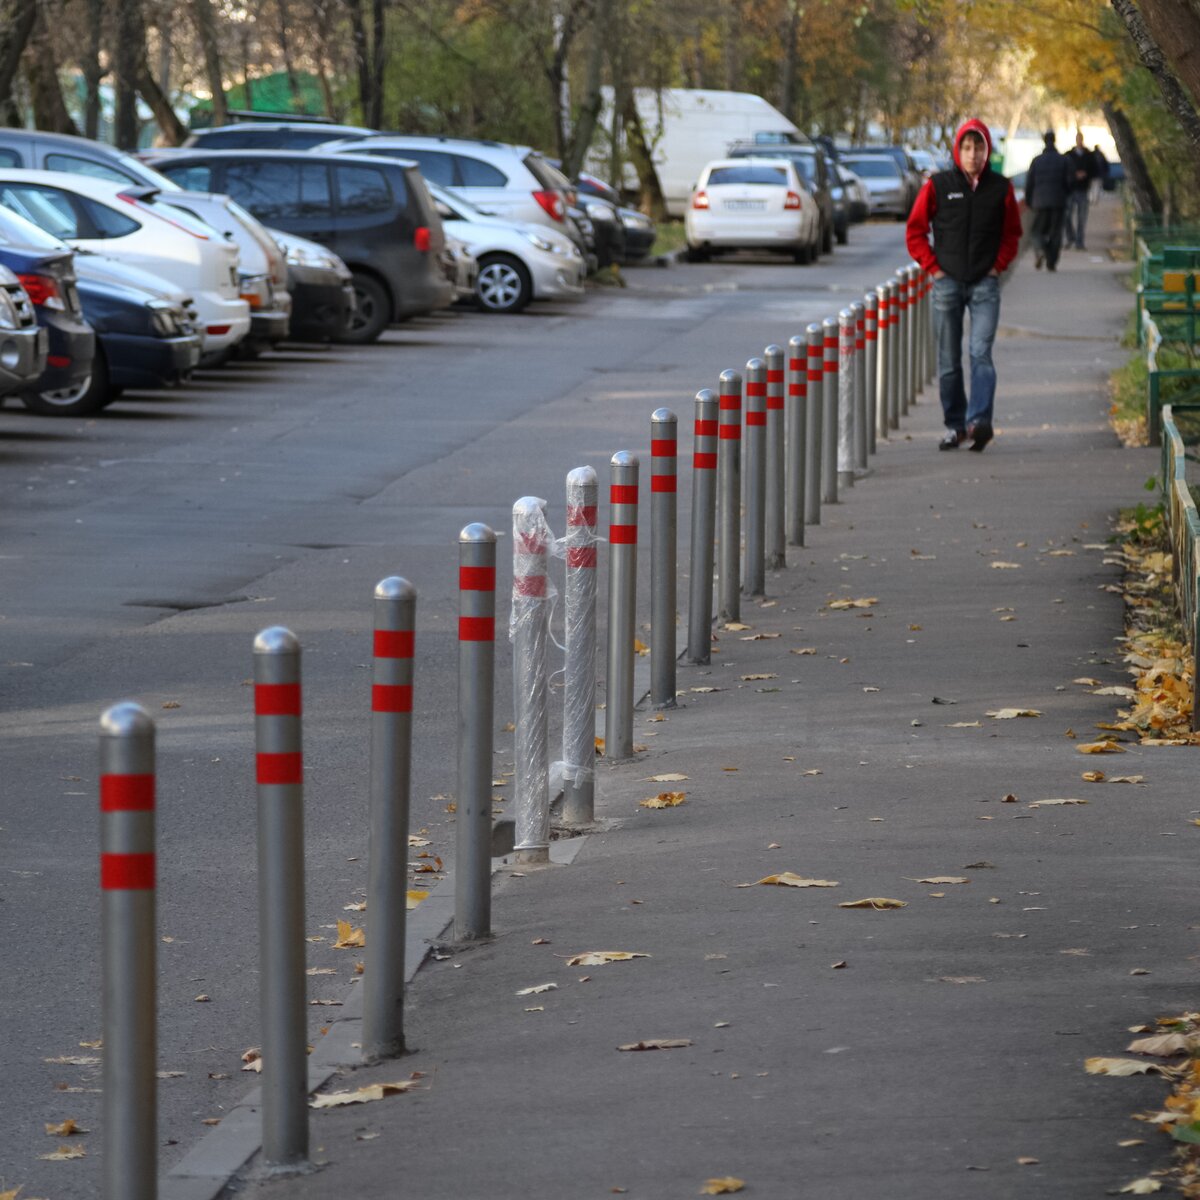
point(374, 213)
point(639, 230)
point(46, 270)
point(813, 166)
point(322, 290)
point(272, 135)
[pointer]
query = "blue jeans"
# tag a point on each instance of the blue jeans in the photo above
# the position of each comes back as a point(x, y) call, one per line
point(1077, 214)
point(950, 300)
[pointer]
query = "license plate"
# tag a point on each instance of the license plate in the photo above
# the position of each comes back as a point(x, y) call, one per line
point(746, 205)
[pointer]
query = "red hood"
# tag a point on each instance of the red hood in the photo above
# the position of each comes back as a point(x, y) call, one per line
point(972, 126)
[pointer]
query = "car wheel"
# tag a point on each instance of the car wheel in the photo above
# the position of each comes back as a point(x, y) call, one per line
point(372, 312)
point(826, 239)
point(503, 284)
point(88, 396)
point(697, 254)
point(843, 232)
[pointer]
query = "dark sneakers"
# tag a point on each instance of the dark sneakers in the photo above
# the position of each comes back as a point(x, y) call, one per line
point(952, 440)
point(980, 434)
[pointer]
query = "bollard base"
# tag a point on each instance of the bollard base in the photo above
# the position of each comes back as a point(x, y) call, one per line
point(532, 856)
point(845, 479)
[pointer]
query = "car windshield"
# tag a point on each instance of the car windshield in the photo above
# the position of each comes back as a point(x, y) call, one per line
point(463, 209)
point(757, 175)
point(873, 168)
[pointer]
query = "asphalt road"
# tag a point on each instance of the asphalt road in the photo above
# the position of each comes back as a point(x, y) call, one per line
point(139, 554)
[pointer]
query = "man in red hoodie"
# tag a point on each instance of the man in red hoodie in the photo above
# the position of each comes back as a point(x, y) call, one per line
point(976, 226)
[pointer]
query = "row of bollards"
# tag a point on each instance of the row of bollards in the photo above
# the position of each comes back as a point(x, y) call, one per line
point(772, 446)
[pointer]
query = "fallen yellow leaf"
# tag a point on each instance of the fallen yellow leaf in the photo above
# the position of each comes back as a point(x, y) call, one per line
point(657, 1044)
point(538, 989)
point(1162, 1046)
point(940, 879)
point(597, 958)
point(63, 1129)
point(62, 1153)
point(737, 626)
point(414, 840)
point(362, 1095)
point(722, 1187)
point(664, 800)
point(1006, 566)
point(1120, 1066)
point(1009, 714)
point(1092, 777)
point(788, 879)
point(1051, 803)
point(966, 725)
point(600, 745)
point(1142, 1187)
point(415, 896)
point(876, 902)
point(865, 602)
point(1128, 779)
point(753, 678)
point(1108, 746)
point(640, 648)
point(348, 937)
point(1087, 681)
point(669, 777)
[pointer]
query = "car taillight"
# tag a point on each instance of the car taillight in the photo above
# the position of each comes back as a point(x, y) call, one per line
point(552, 203)
point(43, 291)
point(700, 200)
point(792, 200)
point(421, 238)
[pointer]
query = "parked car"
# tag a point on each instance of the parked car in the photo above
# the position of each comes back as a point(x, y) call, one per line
point(517, 263)
point(854, 192)
point(129, 222)
point(375, 214)
point(321, 287)
point(23, 342)
point(460, 267)
point(513, 182)
point(45, 269)
point(884, 183)
point(262, 267)
point(639, 230)
point(752, 203)
point(272, 135)
point(813, 167)
point(909, 173)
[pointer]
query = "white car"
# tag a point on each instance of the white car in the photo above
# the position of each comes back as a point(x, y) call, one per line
point(752, 204)
point(517, 263)
point(884, 183)
point(127, 222)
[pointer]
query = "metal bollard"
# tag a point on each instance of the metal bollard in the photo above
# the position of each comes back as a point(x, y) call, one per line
point(529, 632)
point(931, 335)
point(829, 403)
point(919, 339)
point(902, 342)
point(127, 915)
point(815, 408)
point(883, 363)
point(391, 768)
point(729, 485)
point(280, 776)
point(476, 717)
point(754, 576)
point(914, 304)
point(776, 546)
point(704, 514)
point(663, 556)
point(796, 437)
point(861, 421)
point(870, 365)
point(622, 600)
point(893, 355)
point(846, 399)
point(579, 664)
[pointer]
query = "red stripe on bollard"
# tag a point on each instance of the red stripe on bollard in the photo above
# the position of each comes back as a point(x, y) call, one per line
point(774, 403)
point(730, 403)
point(127, 872)
point(622, 535)
point(476, 629)
point(581, 556)
point(391, 697)
point(623, 493)
point(277, 699)
point(581, 514)
point(705, 429)
point(662, 447)
point(662, 483)
point(731, 433)
point(393, 643)
point(756, 418)
point(477, 579)
point(756, 388)
point(529, 585)
point(279, 768)
point(704, 460)
point(126, 793)
point(774, 376)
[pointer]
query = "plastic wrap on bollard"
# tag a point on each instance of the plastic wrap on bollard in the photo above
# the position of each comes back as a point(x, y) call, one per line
point(529, 631)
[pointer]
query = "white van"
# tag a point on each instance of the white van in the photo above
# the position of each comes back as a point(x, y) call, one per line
point(687, 128)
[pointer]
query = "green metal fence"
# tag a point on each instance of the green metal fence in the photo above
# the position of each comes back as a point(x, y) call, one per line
point(1172, 374)
point(1183, 527)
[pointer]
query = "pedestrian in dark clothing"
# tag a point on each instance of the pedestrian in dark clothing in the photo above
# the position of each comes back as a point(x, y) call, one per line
point(976, 225)
point(1046, 194)
point(1082, 166)
point(1101, 173)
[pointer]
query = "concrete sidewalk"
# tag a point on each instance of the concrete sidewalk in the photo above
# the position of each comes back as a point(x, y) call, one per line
point(845, 1053)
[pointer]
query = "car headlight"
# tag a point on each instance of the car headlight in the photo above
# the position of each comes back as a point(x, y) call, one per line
point(8, 311)
point(162, 317)
point(599, 212)
point(540, 242)
point(635, 220)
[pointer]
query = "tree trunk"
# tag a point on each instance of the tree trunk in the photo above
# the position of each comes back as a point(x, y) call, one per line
point(321, 15)
point(1177, 101)
point(729, 55)
point(651, 200)
point(41, 66)
point(285, 50)
point(787, 72)
point(589, 110)
point(15, 28)
point(206, 30)
point(1175, 27)
point(92, 71)
point(358, 43)
point(172, 130)
point(1141, 186)
point(127, 63)
point(378, 63)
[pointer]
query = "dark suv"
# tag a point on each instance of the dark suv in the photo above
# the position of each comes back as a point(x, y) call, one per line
point(375, 214)
point(813, 167)
point(272, 135)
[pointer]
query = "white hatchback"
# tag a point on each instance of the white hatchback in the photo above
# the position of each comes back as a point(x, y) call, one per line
point(752, 204)
point(126, 222)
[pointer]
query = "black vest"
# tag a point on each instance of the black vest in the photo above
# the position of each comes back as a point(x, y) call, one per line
point(968, 225)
